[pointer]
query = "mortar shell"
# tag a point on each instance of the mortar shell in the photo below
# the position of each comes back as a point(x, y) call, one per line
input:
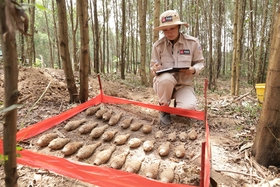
point(44, 140)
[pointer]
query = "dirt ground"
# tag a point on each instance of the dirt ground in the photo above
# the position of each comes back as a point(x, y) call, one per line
point(232, 122)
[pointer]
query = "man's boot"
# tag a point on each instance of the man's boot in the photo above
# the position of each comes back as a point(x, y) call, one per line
point(164, 118)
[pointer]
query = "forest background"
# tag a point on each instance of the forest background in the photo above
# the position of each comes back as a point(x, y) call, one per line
point(235, 36)
point(117, 36)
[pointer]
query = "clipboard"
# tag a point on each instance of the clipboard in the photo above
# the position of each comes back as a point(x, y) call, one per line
point(170, 70)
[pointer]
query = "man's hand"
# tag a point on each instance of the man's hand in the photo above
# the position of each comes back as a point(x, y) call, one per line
point(190, 71)
point(155, 67)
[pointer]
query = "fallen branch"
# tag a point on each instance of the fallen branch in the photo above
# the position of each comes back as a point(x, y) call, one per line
point(235, 100)
point(254, 164)
point(240, 97)
point(24, 99)
point(237, 172)
point(250, 162)
point(33, 106)
point(258, 167)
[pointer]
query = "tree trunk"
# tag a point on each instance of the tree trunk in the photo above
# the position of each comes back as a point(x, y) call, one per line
point(30, 57)
point(11, 94)
point(234, 51)
point(181, 8)
point(219, 37)
point(266, 144)
point(102, 68)
point(273, 16)
point(96, 49)
point(56, 36)
point(84, 56)
point(129, 48)
point(133, 34)
point(252, 43)
point(224, 66)
point(196, 32)
point(123, 44)
point(107, 39)
point(92, 64)
point(156, 33)
point(205, 40)
point(142, 5)
point(115, 2)
point(22, 46)
point(239, 50)
point(136, 41)
point(211, 62)
point(49, 39)
point(156, 19)
point(74, 28)
point(260, 72)
point(64, 49)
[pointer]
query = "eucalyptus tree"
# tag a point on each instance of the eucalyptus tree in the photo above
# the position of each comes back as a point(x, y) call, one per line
point(134, 24)
point(155, 33)
point(51, 58)
point(107, 12)
point(252, 44)
point(103, 41)
point(211, 61)
point(10, 12)
point(74, 23)
point(104, 31)
point(117, 32)
point(84, 49)
point(156, 19)
point(219, 25)
point(64, 49)
point(30, 49)
point(56, 34)
point(129, 40)
point(96, 37)
point(123, 41)
point(239, 17)
point(266, 144)
point(142, 8)
point(263, 39)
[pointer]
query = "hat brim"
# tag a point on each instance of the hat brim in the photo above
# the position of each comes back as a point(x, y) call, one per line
point(169, 25)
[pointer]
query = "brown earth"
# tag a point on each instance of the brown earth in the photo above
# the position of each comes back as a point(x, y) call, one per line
point(232, 122)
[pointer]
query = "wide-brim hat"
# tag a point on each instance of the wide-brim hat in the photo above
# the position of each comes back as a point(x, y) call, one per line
point(169, 18)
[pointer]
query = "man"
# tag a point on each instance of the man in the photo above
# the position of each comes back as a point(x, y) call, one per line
point(175, 49)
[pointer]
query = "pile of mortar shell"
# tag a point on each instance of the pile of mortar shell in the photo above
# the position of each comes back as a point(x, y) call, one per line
point(121, 137)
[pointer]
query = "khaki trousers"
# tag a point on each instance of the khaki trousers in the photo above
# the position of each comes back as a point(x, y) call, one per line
point(164, 86)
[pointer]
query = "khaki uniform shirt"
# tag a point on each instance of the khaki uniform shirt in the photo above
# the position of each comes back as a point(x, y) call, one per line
point(185, 52)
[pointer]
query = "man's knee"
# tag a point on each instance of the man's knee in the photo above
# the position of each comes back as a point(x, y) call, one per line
point(164, 81)
point(186, 105)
